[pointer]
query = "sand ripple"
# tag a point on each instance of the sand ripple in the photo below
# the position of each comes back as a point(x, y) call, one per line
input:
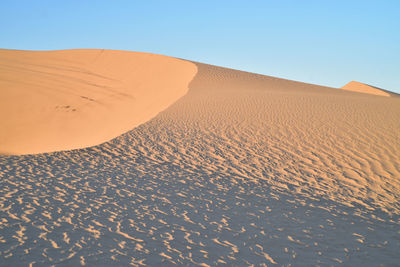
point(230, 174)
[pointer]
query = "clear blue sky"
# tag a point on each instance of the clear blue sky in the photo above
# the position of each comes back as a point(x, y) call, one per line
point(323, 41)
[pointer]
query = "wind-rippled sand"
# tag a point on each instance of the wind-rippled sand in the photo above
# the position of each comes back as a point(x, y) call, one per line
point(243, 170)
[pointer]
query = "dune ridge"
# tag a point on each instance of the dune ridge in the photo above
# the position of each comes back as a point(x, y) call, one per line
point(69, 99)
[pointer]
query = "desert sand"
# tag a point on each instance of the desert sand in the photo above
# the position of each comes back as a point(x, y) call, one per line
point(61, 100)
point(365, 88)
point(242, 169)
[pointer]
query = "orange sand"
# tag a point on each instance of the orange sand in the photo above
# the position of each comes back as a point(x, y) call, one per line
point(60, 100)
point(243, 169)
point(336, 143)
point(364, 88)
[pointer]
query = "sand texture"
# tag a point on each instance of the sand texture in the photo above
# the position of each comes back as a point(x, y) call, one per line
point(243, 170)
point(61, 100)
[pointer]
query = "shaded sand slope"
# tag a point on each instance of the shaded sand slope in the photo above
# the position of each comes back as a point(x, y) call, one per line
point(60, 100)
point(243, 170)
point(365, 88)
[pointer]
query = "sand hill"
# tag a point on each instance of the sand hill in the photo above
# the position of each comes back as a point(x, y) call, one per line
point(242, 169)
point(365, 88)
point(60, 100)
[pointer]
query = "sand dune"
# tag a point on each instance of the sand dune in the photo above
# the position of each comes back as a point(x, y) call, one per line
point(243, 170)
point(60, 100)
point(365, 88)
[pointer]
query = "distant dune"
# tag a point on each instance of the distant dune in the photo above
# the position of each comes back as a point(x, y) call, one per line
point(365, 88)
point(224, 167)
point(61, 100)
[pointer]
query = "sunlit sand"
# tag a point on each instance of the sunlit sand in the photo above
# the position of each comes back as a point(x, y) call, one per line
point(61, 100)
point(191, 164)
point(365, 88)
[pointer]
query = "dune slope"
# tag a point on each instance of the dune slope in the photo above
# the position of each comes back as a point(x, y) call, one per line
point(61, 100)
point(311, 139)
point(242, 170)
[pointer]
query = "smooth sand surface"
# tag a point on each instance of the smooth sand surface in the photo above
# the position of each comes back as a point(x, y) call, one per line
point(242, 170)
point(61, 100)
point(364, 88)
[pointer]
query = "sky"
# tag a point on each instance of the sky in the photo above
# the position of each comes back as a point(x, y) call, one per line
point(323, 42)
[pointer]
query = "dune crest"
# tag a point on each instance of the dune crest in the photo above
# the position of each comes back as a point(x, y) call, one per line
point(364, 88)
point(62, 100)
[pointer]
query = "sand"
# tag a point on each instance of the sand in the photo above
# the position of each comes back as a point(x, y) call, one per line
point(365, 88)
point(61, 100)
point(242, 169)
